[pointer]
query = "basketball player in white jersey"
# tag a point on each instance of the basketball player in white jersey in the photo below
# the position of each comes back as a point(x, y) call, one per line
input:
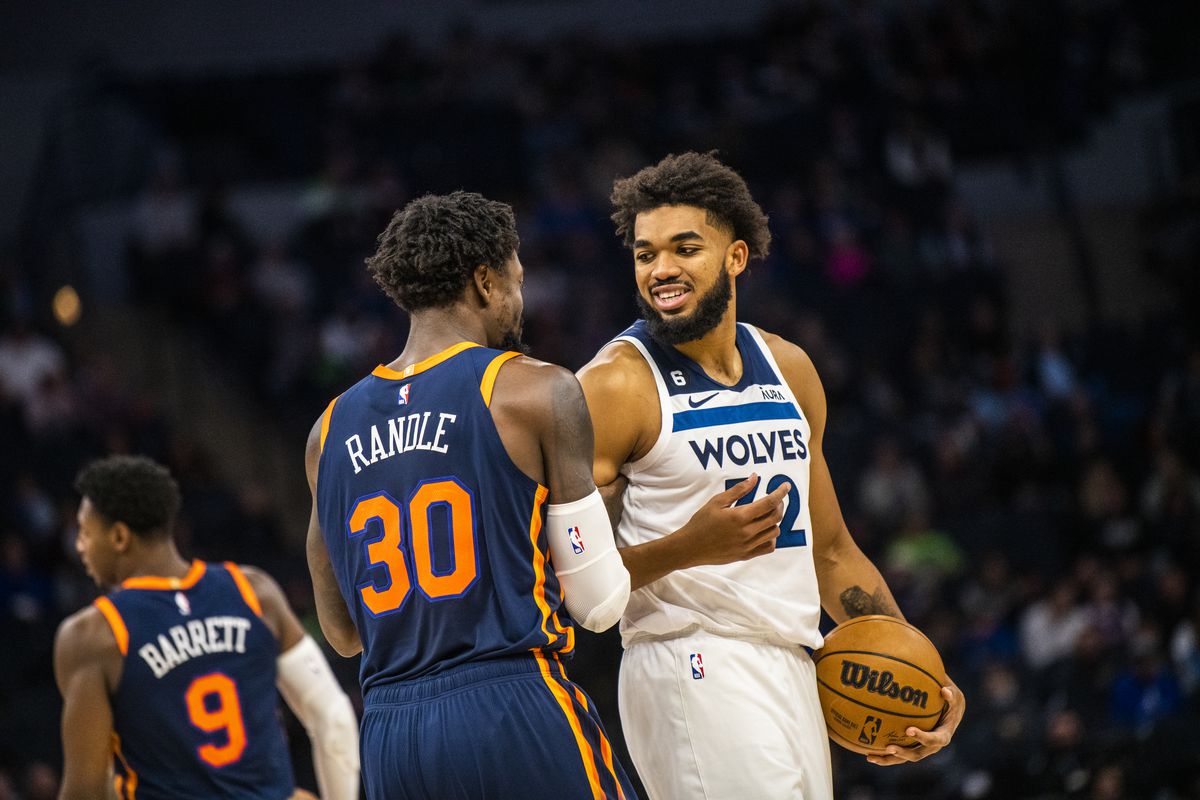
point(696, 416)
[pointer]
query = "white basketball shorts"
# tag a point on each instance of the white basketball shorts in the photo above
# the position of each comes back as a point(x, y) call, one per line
point(713, 717)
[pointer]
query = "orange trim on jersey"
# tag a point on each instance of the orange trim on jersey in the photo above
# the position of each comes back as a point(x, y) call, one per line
point(605, 747)
point(412, 369)
point(244, 587)
point(194, 574)
point(539, 562)
point(126, 785)
point(564, 702)
point(328, 415)
point(569, 632)
point(120, 632)
point(489, 375)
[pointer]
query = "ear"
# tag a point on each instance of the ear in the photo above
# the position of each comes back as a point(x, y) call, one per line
point(485, 283)
point(737, 257)
point(121, 537)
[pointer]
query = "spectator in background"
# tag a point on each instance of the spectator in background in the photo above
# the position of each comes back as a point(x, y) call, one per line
point(1146, 692)
point(1051, 626)
point(892, 488)
point(26, 359)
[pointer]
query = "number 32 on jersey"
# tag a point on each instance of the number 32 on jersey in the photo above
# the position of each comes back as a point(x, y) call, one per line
point(406, 536)
point(788, 535)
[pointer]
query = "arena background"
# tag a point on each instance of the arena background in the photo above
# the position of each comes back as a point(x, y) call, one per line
point(986, 236)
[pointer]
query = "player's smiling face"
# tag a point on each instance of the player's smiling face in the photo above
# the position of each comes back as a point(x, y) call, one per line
point(685, 268)
point(94, 545)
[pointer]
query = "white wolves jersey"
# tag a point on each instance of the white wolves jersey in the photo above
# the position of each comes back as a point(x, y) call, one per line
point(712, 437)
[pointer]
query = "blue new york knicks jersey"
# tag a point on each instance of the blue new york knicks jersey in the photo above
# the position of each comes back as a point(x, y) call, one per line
point(435, 536)
point(195, 713)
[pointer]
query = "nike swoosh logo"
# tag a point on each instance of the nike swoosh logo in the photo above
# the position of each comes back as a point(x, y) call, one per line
point(702, 401)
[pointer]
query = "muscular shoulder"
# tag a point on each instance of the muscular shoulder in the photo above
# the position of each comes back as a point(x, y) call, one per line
point(529, 389)
point(83, 638)
point(263, 584)
point(276, 612)
point(617, 372)
point(799, 372)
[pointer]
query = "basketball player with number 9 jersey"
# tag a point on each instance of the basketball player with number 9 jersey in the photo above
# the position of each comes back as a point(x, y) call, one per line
point(170, 676)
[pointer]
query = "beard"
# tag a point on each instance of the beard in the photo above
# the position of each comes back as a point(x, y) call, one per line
point(709, 310)
point(511, 340)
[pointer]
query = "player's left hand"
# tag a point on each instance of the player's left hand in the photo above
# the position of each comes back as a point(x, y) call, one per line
point(928, 742)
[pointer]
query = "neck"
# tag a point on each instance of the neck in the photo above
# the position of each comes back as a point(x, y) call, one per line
point(155, 559)
point(433, 330)
point(716, 351)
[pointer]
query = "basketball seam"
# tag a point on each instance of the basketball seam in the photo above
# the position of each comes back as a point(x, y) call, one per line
point(880, 617)
point(858, 702)
point(891, 658)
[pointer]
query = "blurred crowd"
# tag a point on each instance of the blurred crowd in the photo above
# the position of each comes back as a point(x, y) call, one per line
point(1033, 500)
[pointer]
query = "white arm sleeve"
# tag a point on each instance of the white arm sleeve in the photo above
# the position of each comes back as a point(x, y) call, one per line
point(594, 580)
point(310, 690)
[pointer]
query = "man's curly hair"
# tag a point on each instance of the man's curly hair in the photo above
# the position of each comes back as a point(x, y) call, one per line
point(432, 246)
point(134, 490)
point(693, 179)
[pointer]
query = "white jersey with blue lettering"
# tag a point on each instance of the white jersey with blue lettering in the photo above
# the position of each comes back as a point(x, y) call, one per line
point(713, 436)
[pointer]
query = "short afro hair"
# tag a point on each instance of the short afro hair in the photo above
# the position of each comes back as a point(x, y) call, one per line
point(693, 179)
point(134, 490)
point(432, 246)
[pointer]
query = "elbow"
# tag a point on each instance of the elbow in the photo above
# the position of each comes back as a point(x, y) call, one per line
point(344, 642)
point(603, 615)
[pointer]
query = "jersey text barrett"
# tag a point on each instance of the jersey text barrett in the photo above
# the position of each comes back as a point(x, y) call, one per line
point(198, 637)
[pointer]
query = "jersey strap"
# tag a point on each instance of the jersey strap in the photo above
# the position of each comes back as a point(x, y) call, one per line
point(243, 585)
point(412, 369)
point(488, 384)
point(194, 574)
point(328, 415)
point(120, 632)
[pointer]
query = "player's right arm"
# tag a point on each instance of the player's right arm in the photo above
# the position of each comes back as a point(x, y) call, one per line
point(86, 663)
point(332, 613)
point(623, 402)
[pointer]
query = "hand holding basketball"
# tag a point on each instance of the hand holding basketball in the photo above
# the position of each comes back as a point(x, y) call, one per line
point(928, 742)
point(880, 681)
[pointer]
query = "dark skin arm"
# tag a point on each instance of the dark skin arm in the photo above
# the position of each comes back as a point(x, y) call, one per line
point(332, 613)
point(87, 667)
point(850, 584)
point(276, 613)
point(624, 405)
point(543, 421)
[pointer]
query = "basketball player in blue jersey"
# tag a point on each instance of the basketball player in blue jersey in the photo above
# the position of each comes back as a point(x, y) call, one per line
point(717, 693)
point(456, 532)
point(168, 680)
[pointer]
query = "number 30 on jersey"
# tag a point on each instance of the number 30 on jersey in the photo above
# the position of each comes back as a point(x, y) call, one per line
point(405, 536)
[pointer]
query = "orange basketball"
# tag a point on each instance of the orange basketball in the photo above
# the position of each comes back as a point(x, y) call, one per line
point(878, 676)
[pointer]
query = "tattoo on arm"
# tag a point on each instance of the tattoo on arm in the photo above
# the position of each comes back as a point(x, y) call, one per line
point(858, 603)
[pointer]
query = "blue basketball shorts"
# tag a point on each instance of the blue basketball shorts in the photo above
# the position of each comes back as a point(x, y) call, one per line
point(494, 730)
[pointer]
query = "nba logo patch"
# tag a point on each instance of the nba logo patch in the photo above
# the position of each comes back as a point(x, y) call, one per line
point(697, 666)
point(182, 603)
point(404, 394)
point(576, 540)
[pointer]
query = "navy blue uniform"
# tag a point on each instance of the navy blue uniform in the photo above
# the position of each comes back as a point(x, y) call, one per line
point(195, 713)
point(436, 540)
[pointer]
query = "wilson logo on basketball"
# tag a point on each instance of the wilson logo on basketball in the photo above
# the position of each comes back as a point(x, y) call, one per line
point(883, 683)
